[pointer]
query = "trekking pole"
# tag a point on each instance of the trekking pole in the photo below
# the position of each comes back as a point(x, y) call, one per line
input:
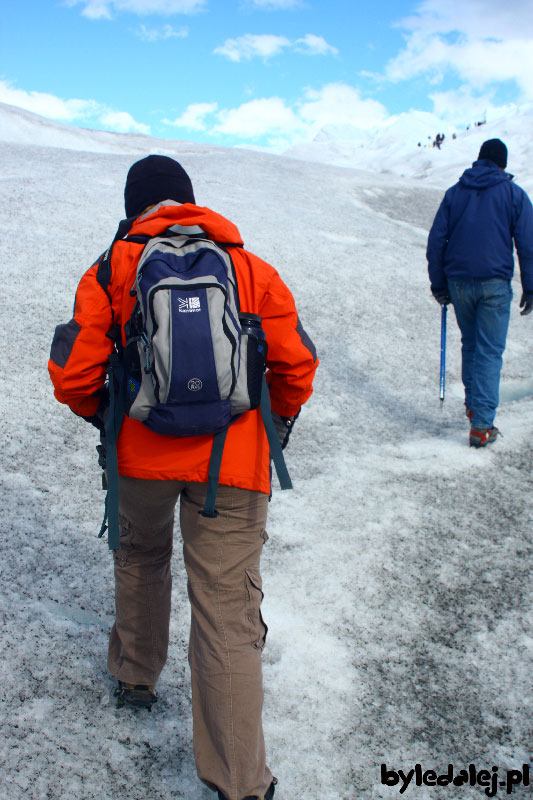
point(444, 311)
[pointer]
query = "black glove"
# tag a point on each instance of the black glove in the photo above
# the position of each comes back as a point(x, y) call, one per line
point(283, 426)
point(98, 419)
point(526, 303)
point(442, 297)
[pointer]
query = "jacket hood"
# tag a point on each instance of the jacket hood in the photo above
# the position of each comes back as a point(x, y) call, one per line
point(169, 213)
point(483, 174)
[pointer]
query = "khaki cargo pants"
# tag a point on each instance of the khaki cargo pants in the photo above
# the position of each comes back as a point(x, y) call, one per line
point(227, 631)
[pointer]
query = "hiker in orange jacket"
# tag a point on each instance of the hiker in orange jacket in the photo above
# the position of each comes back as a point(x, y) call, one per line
point(222, 553)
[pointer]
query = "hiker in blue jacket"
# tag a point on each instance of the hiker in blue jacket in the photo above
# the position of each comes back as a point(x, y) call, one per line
point(470, 262)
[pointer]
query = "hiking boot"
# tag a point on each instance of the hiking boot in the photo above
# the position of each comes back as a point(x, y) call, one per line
point(469, 413)
point(480, 437)
point(132, 694)
point(268, 796)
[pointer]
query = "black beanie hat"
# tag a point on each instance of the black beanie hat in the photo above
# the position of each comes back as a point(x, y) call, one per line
point(494, 150)
point(153, 179)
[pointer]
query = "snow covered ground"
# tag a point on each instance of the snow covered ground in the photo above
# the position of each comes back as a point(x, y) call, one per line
point(398, 572)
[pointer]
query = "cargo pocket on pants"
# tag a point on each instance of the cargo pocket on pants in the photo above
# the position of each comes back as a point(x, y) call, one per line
point(126, 538)
point(254, 596)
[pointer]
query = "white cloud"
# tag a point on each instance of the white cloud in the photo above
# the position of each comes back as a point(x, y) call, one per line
point(246, 47)
point(121, 122)
point(103, 9)
point(314, 45)
point(93, 9)
point(271, 119)
point(271, 5)
point(483, 19)
point(340, 104)
point(194, 116)
point(71, 110)
point(461, 105)
point(158, 34)
point(258, 118)
point(47, 105)
point(484, 42)
point(251, 45)
point(478, 62)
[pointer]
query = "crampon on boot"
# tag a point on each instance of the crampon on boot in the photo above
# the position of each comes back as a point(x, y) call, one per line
point(132, 694)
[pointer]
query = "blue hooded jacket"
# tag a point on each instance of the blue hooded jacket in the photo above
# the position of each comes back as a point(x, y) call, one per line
point(473, 231)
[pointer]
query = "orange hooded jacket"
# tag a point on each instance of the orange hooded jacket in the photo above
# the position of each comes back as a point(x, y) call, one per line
point(81, 348)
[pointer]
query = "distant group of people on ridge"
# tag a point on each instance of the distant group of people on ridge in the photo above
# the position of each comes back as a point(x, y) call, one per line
point(438, 140)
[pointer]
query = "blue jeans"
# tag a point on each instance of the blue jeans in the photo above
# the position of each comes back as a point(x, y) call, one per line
point(482, 309)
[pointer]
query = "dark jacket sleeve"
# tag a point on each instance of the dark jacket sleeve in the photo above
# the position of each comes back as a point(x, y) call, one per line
point(81, 348)
point(436, 247)
point(523, 238)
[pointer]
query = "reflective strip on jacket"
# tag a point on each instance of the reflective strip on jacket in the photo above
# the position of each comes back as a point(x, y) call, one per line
point(80, 351)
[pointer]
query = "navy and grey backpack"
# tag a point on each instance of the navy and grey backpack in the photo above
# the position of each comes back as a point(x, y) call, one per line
point(186, 356)
point(192, 363)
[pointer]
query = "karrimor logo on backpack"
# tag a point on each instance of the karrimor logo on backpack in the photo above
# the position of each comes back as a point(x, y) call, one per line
point(189, 305)
point(188, 363)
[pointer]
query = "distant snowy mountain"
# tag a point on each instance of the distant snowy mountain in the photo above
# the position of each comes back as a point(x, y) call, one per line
point(25, 127)
point(393, 147)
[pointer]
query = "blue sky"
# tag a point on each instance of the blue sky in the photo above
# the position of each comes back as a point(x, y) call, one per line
point(264, 73)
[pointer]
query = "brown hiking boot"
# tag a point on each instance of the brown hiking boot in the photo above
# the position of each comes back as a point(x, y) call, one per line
point(132, 694)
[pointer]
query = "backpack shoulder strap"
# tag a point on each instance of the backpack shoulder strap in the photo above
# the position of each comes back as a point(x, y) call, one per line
point(113, 424)
point(103, 273)
point(276, 454)
point(116, 410)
